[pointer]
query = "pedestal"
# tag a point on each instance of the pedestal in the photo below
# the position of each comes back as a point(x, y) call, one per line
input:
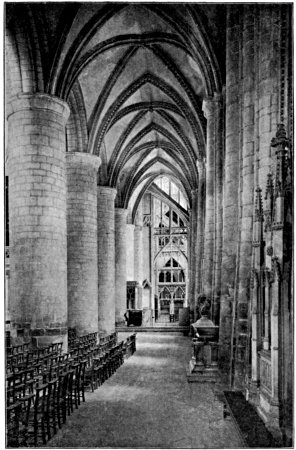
point(203, 366)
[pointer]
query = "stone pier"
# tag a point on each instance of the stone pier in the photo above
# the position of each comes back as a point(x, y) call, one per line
point(37, 218)
point(106, 259)
point(120, 264)
point(82, 241)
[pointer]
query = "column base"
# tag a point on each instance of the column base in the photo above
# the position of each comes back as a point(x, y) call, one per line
point(47, 336)
point(203, 374)
point(252, 392)
point(269, 411)
point(120, 322)
point(202, 368)
point(39, 337)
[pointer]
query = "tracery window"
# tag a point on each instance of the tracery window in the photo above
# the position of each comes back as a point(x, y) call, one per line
point(172, 273)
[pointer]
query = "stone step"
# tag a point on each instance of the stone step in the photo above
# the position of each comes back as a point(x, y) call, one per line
point(157, 329)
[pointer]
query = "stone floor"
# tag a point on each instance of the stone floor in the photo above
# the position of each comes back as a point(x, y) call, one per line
point(148, 403)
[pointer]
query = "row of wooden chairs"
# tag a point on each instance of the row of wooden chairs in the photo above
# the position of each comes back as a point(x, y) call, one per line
point(38, 403)
point(74, 340)
point(41, 393)
point(102, 364)
point(130, 345)
point(22, 360)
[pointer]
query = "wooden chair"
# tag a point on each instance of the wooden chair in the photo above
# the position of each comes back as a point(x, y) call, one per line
point(37, 415)
point(79, 382)
point(12, 424)
point(90, 374)
point(61, 398)
point(26, 403)
point(51, 404)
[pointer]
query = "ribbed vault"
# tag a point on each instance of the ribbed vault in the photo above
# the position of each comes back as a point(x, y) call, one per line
point(134, 76)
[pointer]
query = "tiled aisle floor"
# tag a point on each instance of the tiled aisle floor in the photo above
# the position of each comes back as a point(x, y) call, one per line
point(148, 403)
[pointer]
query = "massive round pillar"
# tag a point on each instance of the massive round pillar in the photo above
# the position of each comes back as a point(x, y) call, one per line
point(37, 217)
point(120, 264)
point(106, 259)
point(82, 241)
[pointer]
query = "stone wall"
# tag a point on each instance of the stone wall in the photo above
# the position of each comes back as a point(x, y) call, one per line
point(254, 93)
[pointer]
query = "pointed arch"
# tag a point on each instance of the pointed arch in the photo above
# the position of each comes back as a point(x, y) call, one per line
point(98, 131)
point(117, 161)
point(137, 177)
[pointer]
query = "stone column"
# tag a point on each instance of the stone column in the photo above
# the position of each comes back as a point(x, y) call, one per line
point(138, 261)
point(219, 154)
point(211, 109)
point(120, 264)
point(270, 87)
point(199, 244)
point(246, 189)
point(192, 252)
point(138, 253)
point(37, 217)
point(130, 274)
point(209, 112)
point(106, 259)
point(82, 238)
point(232, 146)
point(231, 180)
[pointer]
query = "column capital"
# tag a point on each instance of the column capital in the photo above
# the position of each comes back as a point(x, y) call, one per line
point(38, 102)
point(106, 190)
point(121, 212)
point(83, 159)
point(130, 225)
point(200, 164)
point(210, 104)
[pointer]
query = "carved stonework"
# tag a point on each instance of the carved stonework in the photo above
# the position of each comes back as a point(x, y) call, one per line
point(147, 220)
point(269, 197)
point(254, 282)
point(282, 144)
point(269, 251)
point(204, 305)
point(258, 219)
point(265, 372)
point(276, 268)
point(258, 206)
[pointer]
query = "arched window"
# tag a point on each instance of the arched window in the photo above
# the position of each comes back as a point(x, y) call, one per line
point(161, 277)
point(165, 294)
point(179, 293)
point(168, 277)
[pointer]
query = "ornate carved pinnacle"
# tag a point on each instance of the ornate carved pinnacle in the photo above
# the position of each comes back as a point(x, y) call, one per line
point(258, 206)
point(280, 137)
point(269, 187)
point(276, 268)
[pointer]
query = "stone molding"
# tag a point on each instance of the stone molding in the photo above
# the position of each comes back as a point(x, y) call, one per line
point(83, 159)
point(38, 101)
point(107, 190)
point(211, 104)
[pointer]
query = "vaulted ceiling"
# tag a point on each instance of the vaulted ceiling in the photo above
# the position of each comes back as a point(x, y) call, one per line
point(134, 76)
